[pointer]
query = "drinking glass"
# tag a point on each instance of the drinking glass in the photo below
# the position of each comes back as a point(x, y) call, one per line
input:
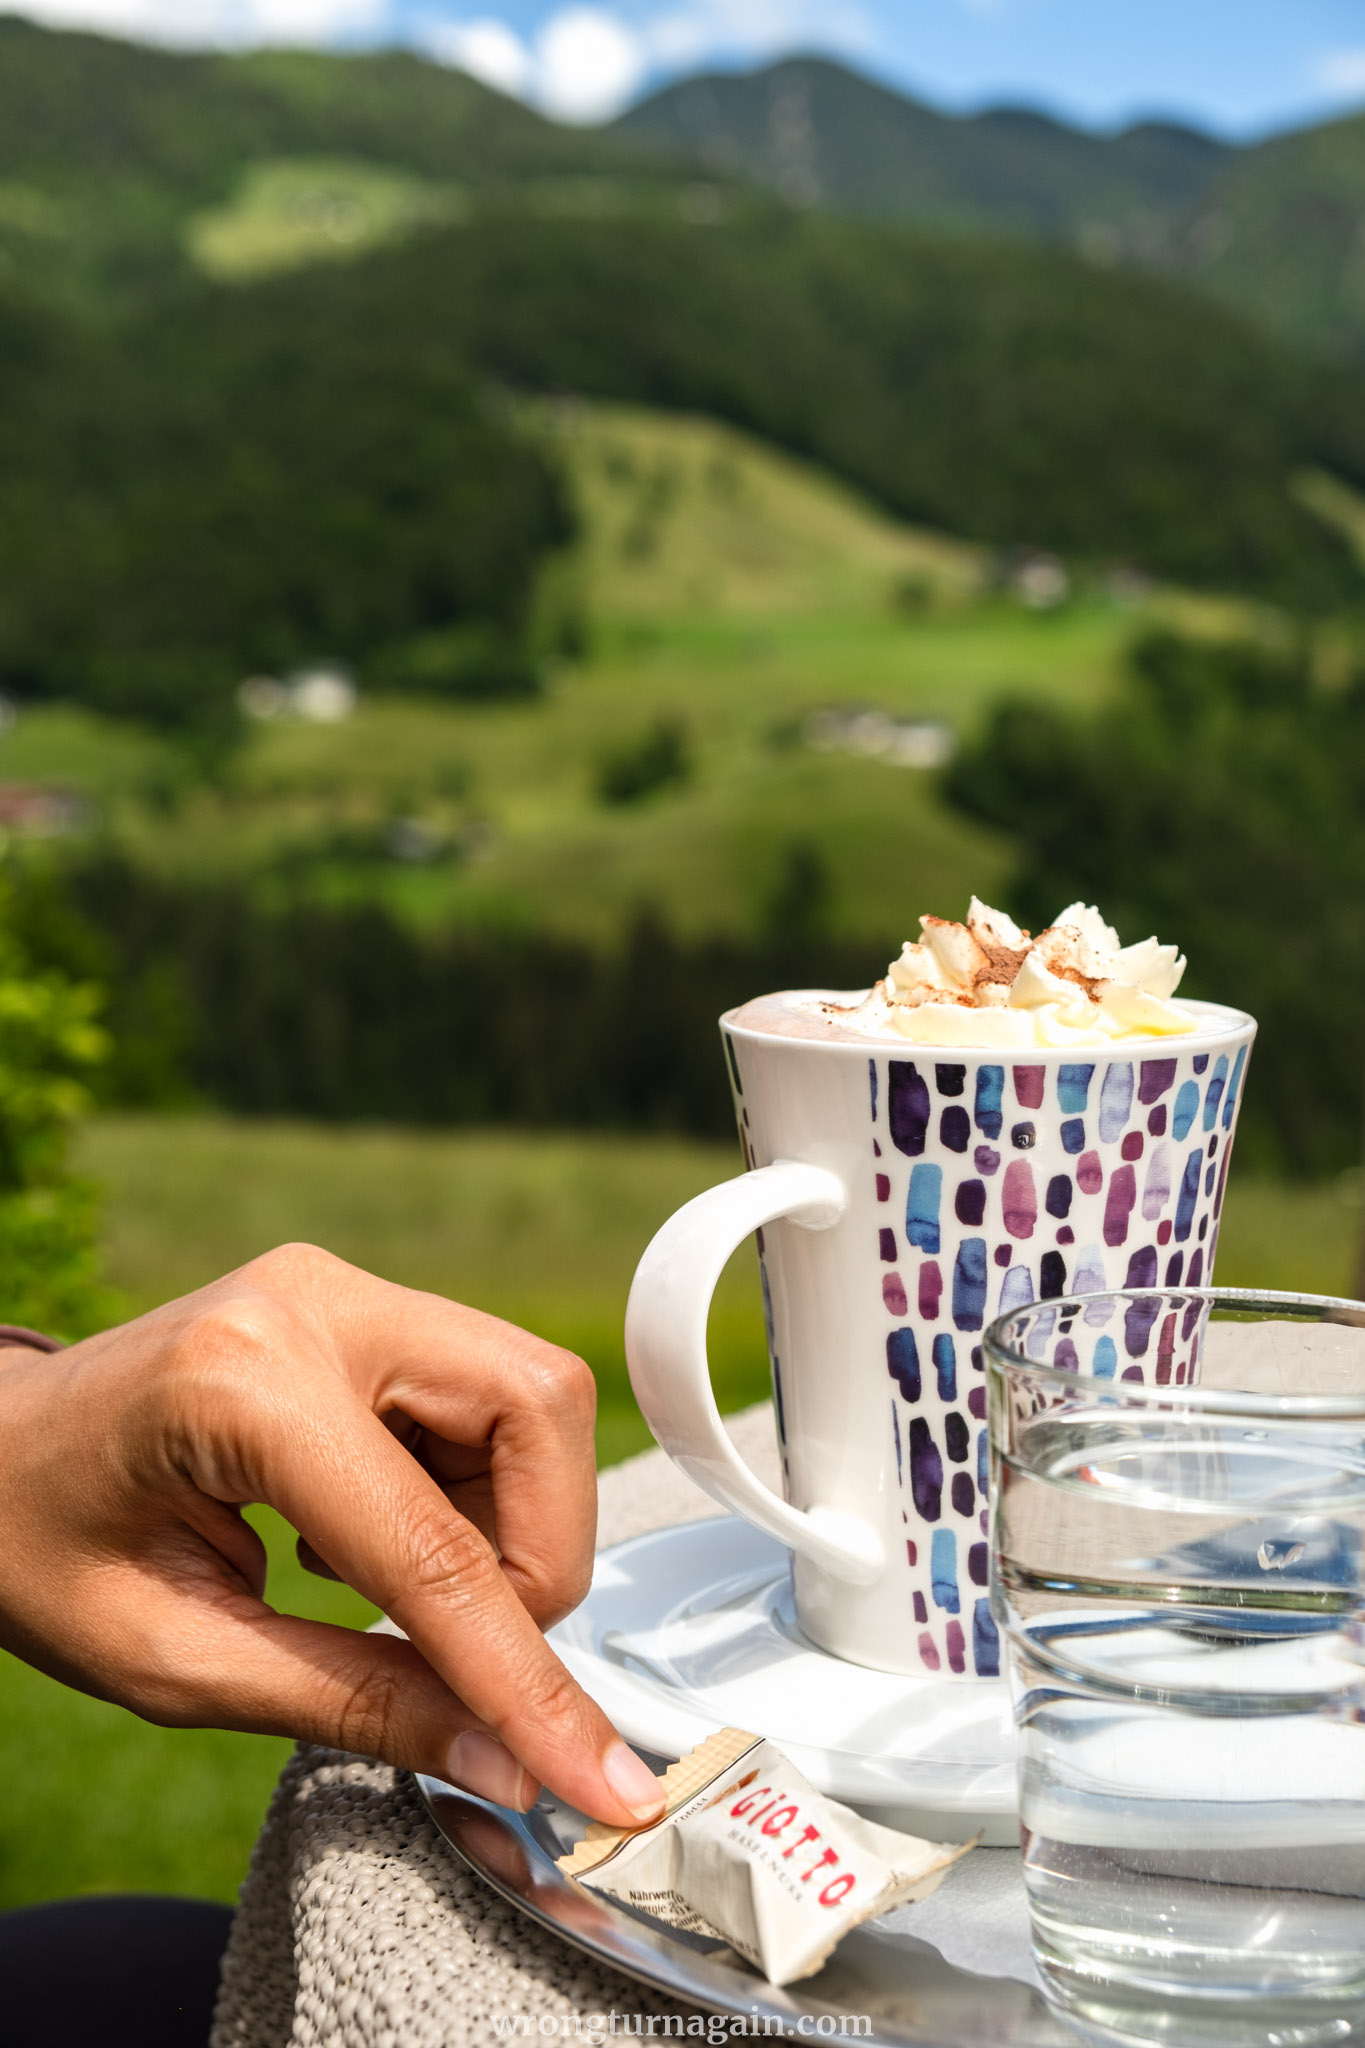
point(1177, 1576)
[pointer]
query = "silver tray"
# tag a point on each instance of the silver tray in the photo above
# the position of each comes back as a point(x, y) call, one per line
point(913, 1995)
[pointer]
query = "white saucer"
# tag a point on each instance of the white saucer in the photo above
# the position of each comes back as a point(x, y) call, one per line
point(692, 1628)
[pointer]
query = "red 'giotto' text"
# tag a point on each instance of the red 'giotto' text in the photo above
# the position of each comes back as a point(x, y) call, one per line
point(776, 1816)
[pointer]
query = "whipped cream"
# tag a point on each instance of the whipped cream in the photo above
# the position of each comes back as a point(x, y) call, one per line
point(987, 983)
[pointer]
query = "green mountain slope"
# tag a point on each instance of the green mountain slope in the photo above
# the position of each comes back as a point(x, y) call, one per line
point(817, 133)
point(252, 476)
point(1273, 229)
point(732, 592)
point(76, 107)
point(227, 478)
point(1279, 234)
point(124, 169)
point(109, 151)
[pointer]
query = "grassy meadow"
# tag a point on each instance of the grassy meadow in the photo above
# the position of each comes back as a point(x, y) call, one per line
point(287, 212)
point(546, 1231)
point(727, 589)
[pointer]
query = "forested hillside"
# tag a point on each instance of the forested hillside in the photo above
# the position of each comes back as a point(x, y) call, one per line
point(1277, 233)
point(1269, 227)
point(118, 165)
point(243, 487)
point(1009, 394)
point(1237, 820)
point(253, 476)
point(75, 107)
point(110, 151)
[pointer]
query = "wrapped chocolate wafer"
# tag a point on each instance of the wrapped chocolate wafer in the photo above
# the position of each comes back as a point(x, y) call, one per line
point(747, 1851)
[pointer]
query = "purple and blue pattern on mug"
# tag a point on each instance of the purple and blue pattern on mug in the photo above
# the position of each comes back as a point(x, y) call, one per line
point(904, 1197)
point(1006, 1183)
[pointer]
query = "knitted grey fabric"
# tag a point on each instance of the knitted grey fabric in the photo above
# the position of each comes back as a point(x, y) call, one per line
point(358, 1927)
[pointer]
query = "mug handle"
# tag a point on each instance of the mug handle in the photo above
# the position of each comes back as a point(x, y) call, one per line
point(671, 1374)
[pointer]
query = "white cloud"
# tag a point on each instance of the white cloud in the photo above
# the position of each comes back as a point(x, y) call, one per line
point(311, 21)
point(1342, 73)
point(228, 23)
point(487, 49)
point(588, 63)
point(583, 65)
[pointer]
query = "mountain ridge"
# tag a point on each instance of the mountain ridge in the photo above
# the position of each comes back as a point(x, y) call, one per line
point(1271, 227)
point(109, 149)
point(819, 132)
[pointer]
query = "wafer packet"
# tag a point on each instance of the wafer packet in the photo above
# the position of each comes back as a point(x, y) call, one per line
point(747, 1851)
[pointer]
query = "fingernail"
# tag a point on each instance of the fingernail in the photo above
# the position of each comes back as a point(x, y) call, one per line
point(479, 1764)
point(633, 1782)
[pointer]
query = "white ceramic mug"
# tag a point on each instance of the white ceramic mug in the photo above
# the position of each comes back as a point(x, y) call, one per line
point(904, 1196)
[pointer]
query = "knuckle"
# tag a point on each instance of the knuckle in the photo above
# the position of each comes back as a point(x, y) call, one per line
point(370, 1711)
point(561, 1382)
point(550, 1595)
point(574, 1585)
point(547, 1695)
point(447, 1555)
point(287, 1265)
point(548, 1606)
point(231, 1348)
point(242, 1327)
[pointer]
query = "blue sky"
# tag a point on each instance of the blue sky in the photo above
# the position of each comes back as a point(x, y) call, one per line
point(1238, 66)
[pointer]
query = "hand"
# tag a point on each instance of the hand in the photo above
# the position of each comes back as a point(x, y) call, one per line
point(438, 1460)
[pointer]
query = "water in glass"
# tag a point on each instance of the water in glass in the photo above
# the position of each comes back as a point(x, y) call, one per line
point(1178, 1578)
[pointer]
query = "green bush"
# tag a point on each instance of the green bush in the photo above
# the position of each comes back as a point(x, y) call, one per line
point(638, 768)
point(464, 665)
point(49, 1043)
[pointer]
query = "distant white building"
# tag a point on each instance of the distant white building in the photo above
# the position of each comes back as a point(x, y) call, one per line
point(902, 743)
point(324, 694)
point(1040, 581)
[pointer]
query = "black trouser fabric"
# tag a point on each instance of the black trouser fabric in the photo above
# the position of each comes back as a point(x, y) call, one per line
point(111, 1973)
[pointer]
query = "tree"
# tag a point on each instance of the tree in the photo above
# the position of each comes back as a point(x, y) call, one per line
point(798, 905)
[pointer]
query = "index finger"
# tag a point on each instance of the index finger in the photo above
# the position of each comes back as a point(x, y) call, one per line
point(328, 1464)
